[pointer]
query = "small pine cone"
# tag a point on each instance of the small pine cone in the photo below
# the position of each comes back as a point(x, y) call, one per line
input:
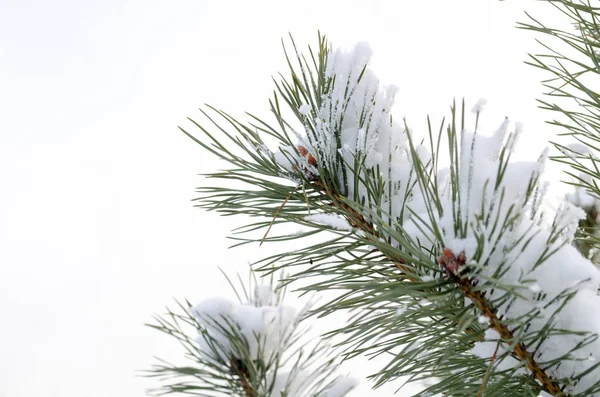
point(449, 262)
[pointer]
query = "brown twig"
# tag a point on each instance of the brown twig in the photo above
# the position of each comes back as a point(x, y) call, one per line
point(520, 350)
point(238, 368)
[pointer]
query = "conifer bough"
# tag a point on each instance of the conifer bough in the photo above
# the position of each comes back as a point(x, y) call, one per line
point(457, 266)
point(255, 347)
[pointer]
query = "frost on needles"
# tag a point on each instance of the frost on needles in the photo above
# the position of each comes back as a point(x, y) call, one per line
point(459, 266)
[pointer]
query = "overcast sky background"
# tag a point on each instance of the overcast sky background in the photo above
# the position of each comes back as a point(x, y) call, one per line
point(97, 231)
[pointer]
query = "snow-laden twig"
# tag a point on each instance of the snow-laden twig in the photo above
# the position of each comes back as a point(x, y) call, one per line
point(256, 347)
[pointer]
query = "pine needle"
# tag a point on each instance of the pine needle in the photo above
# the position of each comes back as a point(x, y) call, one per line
point(487, 372)
point(277, 213)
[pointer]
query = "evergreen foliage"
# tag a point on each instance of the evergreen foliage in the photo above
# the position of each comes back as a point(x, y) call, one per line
point(444, 249)
point(571, 61)
point(253, 348)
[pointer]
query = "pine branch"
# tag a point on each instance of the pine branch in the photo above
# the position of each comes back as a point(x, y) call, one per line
point(402, 209)
point(357, 220)
point(520, 350)
point(254, 349)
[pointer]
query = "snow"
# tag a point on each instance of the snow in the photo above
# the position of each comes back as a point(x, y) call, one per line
point(333, 220)
point(478, 108)
point(304, 110)
point(491, 349)
point(583, 199)
point(265, 328)
point(283, 159)
point(427, 278)
point(288, 383)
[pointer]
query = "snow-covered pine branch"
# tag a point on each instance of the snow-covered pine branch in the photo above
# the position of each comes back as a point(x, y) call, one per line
point(256, 347)
point(512, 258)
point(459, 271)
point(485, 217)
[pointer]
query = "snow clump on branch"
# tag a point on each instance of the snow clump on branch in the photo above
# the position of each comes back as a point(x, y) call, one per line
point(261, 330)
point(264, 327)
point(355, 137)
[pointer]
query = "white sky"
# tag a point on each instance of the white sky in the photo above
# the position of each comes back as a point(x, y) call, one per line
point(97, 231)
